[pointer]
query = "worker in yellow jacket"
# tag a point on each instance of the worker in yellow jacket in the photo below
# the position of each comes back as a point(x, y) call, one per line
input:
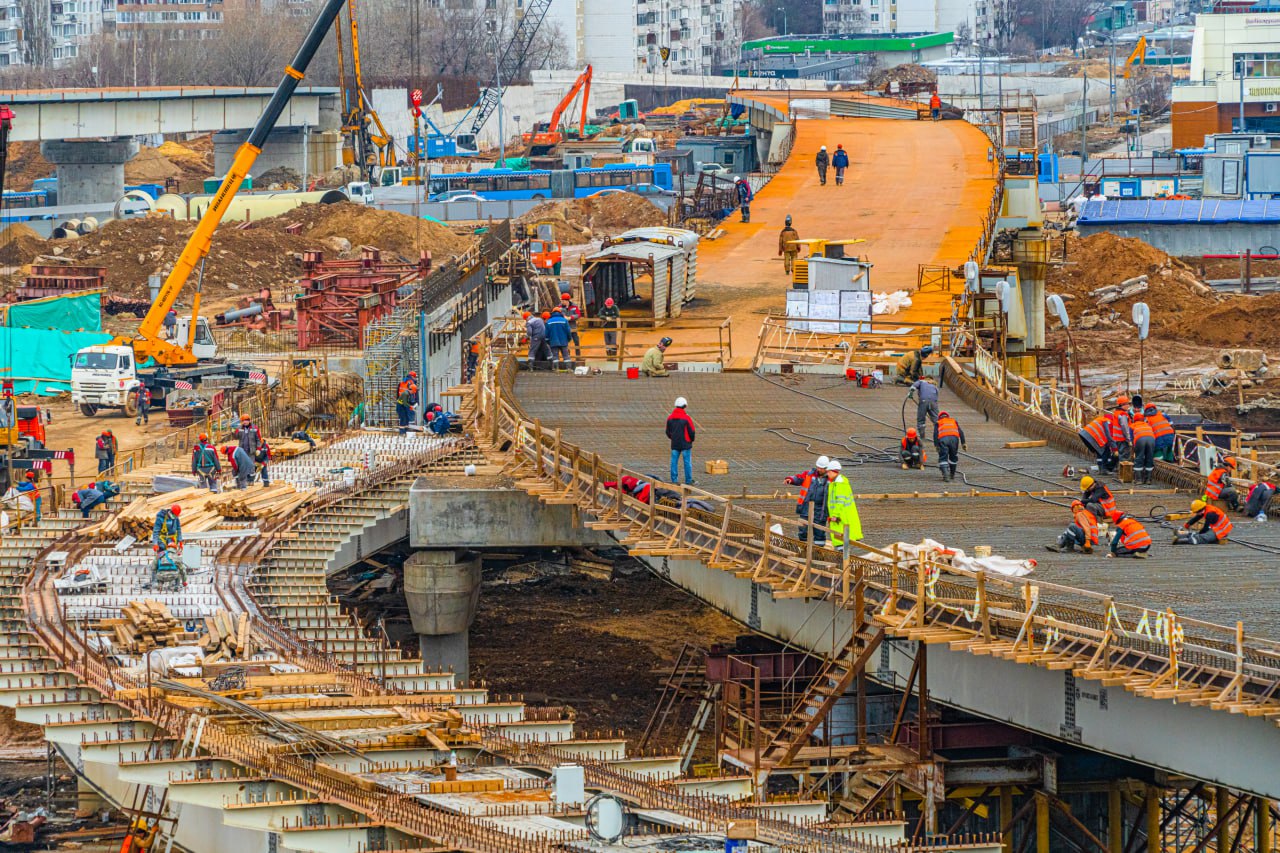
point(842, 511)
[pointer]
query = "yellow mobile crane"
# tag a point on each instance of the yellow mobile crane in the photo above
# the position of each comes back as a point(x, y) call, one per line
point(366, 141)
point(109, 375)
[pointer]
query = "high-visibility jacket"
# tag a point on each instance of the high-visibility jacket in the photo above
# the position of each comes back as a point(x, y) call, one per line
point(1159, 423)
point(842, 512)
point(1099, 430)
point(803, 481)
point(1141, 429)
point(1119, 426)
point(1217, 480)
point(1087, 522)
point(1133, 535)
point(947, 428)
point(1214, 519)
point(1100, 495)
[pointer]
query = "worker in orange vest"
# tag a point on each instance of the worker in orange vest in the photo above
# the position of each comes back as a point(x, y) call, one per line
point(1097, 497)
point(1081, 533)
point(1218, 487)
point(1121, 435)
point(1163, 430)
point(1096, 436)
point(813, 490)
point(1144, 449)
point(1214, 526)
point(911, 452)
point(935, 106)
point(1130, 539)
point(948, 438)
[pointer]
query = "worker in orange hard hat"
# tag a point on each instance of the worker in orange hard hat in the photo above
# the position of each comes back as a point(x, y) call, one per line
point(1119, 429)
point(167, 527)
point(205, 465)
point(841, 162)
point(911, 451)
point(1081, 533)
point(1219, 488)
point(1130, 539)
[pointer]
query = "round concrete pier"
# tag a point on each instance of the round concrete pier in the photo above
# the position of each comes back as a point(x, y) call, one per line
point(442, 589)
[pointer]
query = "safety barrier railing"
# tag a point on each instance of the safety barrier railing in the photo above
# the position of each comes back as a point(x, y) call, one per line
point(1150, 648)
point(693, 340)
point(785, 339)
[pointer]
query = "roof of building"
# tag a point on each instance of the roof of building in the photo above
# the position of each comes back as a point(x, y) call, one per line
point(858, 43)
point(1174, 212)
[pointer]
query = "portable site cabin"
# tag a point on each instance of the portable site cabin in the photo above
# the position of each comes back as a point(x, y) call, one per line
point(666, 257)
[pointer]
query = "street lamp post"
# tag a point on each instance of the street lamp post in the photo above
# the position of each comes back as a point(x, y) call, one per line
point(785, 29)
point(497, 79)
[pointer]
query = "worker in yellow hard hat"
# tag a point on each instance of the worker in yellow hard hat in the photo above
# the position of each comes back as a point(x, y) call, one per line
point(1097, 497)
point(1214, 526)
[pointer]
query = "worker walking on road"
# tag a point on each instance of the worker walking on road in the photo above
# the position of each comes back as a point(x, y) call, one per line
point(1219, 488)
point(1130, 538)
point(610, 317)
point(948, 439)
point(1096, 436)
point(682, 431)
point(1081, 533)
point(652, 364)
point(1097, 497)
point(842, 510)
point(1215, 527)
point(935, 106)
point(1163, 431)
point(911, 365)
point(1144, 449)
point(813, 492)
point(1255, 506)
point(925, 393)
point(205, 464)
point(911, 451)
point(787, 247)
point(822, 161)
point(841, 162)
point(744, 198)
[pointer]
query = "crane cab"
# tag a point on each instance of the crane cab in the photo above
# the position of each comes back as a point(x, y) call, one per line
point(204, 346)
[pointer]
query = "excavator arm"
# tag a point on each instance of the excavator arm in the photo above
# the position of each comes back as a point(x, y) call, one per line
point(1137, 57)
point(583, 85)
point(148, 343)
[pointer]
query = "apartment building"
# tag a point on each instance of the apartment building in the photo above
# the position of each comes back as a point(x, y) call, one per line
point(648, 36)
point(846, 17)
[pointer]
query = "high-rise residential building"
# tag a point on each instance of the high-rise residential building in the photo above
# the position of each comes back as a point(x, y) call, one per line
point(841, 17)
point(648, 36)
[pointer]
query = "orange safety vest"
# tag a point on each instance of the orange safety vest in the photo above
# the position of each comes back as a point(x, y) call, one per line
point(1106, 500)
point(804, 486)
point(1117, 431)
point(1141, 429)
point(1133, 535)
point(948, 428)
point(1089, 524)
point(1160, 424)
point(1220, 525)
point(1217, 480)
point(1097, 429)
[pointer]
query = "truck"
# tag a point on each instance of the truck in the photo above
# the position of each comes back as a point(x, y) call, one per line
point(109, 375)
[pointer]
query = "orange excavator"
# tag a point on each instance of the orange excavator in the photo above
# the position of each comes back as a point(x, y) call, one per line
point(546, 137)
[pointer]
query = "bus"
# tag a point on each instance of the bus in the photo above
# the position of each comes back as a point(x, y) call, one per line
point(545, 183)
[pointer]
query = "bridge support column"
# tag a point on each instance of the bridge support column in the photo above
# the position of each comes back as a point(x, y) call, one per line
point(442, 589)
point(1115, 819)
point(1042, 823)
point(1262, 825)
point(1006, 817)
point(1222, 805)
point(1153, 819)
point(89, 172)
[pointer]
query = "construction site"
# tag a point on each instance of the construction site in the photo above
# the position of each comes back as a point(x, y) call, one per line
point(373, 544)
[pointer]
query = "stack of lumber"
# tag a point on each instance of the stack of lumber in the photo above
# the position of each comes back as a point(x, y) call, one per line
point(145, 626)
point(139, 517)
point(287, 448)
point(258, 501)
point(226, 637)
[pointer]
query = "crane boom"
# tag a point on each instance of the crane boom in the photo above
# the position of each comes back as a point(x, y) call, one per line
point(148, 343)
point(512, 61)
point(543, 141)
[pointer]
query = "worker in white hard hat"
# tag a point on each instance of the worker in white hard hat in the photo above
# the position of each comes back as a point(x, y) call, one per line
point(822, 161)
point(682, 431)
point(842, 511)
point(813, 493)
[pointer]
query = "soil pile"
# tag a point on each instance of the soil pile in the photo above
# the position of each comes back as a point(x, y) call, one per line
point(149, 166)
point(19, 245)
point(368, 226)
point(16, 734)
point(193, 159)
point(579, 220)
point(25, 165)
point(280, 177)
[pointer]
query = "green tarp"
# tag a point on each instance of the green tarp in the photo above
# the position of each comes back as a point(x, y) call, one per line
point(81, 312)
point(39, 360)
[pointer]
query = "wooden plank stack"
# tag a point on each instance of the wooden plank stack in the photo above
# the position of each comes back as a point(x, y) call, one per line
point(257, 502)
point(287, 448)
point(145, 625)
point(201, 509)
point(227, 637)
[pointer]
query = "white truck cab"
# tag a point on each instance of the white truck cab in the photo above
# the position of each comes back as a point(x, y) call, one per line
point(360, 192)
point(102, 376)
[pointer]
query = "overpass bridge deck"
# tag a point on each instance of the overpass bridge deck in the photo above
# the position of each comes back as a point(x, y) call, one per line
point(745, 419)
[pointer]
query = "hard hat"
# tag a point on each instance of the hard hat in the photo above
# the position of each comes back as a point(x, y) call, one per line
point(824, 148)
point(1122, 400)
point(1116, 515)
point(1150, 409)
point(681, 402)
point(525, 316)
point(204, 436)
point(31, 475)
point(1086, 483)
point(157, 548)
point(556, 310)
point(1076, 504)
point(175, 509)
point(1230, 462)
point(823, 462)
point(926, 350)
point(834, 465)
point(839, 147)
point(546, 315)
point(609, 302)
point(413, 374)
point(1197, 505)
point(245, 418)
point(788, 218)
point(106, 432)
point(665, 342)
point(911, 432)
point(564, 297)
point(943, 415)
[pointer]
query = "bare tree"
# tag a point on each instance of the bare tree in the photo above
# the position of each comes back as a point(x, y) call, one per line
point(1148, 90)
point(248, 54)
point(37, 32)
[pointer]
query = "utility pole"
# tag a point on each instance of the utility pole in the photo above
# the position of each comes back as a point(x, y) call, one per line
point(1084, 119)
point(1241, 130)
point(1111, 79)
point(497, 79)
point(981, 73)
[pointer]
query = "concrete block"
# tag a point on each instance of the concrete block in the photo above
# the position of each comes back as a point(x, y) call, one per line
point(491, 517)
point(89, 172)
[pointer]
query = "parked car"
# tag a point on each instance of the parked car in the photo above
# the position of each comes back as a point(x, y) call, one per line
point(715, 169)
point(648, 190)
point(457, 195)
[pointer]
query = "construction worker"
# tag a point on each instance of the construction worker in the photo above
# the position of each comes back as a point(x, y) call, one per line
point(842, 511)
point(1097, 497)
point(249, 436)
point(104, 451)
point(911, 365)
point(573, 314)
point(652, 364)
point(841, 162)
point(263, 457)
point(144, 406)
point(682, 431)
point(925, 393)
point(813, 492)
point(948, 438)
point(536, 330)
point(1081, 533)
point(1215, 527)
point(1096, 436)
point(744, 198)
point(787, 247)
point(31, 490)
point(1218, 487)
point(242, 466)
point(558, 336)
point(167, 527)
point(935, 106)
point(911, 452)
point(1163, 431)
point(406, 401)
point(1118, 424)
point(205, 464)
point(88, 497)
point(611, 319)
point(638, 489)
point(1255, 506)
point(1144, 449)
point(822, 161)
point(1130, 538)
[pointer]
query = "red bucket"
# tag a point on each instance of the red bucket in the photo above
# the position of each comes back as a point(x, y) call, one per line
point(633, 373)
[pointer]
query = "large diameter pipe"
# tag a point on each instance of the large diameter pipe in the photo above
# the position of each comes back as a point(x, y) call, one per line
point(253, 310)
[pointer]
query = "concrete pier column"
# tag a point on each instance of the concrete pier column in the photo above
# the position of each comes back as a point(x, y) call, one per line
point(89, 172)
point(442, 589)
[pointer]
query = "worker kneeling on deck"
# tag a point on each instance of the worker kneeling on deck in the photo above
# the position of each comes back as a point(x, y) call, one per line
point(1215, 527)
point(911, 365)
point(652, 364)
point(1130, 538)
point(813, 492)
point(1255, 506)
point(842, 511)
point(1096, 497)
point(1096, 436)
point(1081, 533)
point(911, 451)
point(1219, 487)
point(948, 438)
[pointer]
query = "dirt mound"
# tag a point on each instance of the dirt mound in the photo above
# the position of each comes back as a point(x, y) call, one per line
point(902, 74)
point(579, 220)
point(25, 165)
point(149, 166)
point(14, 733)
point(279, 177)
point(368, 226)
point(19, 245)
